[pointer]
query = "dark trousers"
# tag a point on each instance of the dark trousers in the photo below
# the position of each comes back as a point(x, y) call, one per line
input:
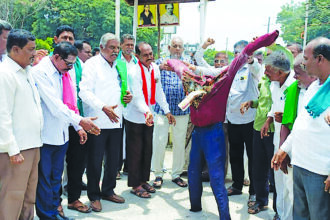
point(75, 159)
point(106, 145)
point(310, 200)
point(50, 169)
point(210, 143)
point(263, 151)
point(238, 135)
point(139, 151)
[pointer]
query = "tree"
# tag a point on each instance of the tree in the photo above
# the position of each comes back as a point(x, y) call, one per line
point(89, 18)
point(292, 20)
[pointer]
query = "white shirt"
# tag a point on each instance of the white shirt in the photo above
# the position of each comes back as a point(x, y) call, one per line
point(243, 89)
point(199, 58)
point(3, 57)
point(309, 140)
point(57, 115)
point(278, 99)
point(136, 109)
point(100, 87)
point(21, 118)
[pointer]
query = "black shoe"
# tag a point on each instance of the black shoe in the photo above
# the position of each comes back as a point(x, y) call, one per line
point(58, 217)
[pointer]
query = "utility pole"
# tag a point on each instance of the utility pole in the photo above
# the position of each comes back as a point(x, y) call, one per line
point(118, 18)
point(268, 25)
point(136, 2)
point(202, 11)
point(306, 22)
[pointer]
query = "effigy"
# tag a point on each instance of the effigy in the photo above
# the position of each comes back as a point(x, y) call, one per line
point(207, 95)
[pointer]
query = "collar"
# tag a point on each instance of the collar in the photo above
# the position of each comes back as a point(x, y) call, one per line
point(15, 66)
point(120, 56)
point(104, 61)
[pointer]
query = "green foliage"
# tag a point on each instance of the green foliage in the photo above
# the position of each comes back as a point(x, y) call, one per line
point(89, 18)
point(292, 20)
point(45, 44)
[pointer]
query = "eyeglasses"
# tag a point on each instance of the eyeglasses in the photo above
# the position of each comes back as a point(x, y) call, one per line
point(68, 64)
point(219, 61)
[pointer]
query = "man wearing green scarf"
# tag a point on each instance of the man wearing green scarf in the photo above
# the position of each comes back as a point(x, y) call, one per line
point(293, 102)
point(309, 139)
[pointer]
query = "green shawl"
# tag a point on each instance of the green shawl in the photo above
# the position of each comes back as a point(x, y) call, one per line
point(291, 105)
point(78, 71)
point(122, 71)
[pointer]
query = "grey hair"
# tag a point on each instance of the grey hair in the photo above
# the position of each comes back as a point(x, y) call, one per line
point(4, 25)
point(299, 59)
point(278, 60)
point(106, 37)
point(126, 37)
point(176, 38)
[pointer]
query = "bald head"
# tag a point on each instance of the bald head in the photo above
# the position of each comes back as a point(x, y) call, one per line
point(317, 58)
point(176, 47)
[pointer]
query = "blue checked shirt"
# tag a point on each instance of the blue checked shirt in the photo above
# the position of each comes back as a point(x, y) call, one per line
point(173, 89)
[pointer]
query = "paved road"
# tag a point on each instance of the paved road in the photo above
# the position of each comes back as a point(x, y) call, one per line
point(170, 202)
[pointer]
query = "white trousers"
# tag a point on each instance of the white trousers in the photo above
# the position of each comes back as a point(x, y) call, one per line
point(284, 190)
point(160, 138)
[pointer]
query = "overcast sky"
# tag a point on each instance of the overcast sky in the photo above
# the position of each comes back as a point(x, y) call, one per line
point(235, 19)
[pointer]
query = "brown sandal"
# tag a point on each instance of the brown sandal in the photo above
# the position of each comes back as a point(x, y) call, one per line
point(178, 181)
point(79, 206)
point(142, 193)
point(148, 188)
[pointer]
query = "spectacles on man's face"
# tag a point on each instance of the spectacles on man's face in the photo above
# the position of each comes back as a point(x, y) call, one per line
point(219, 61)
point(68, 64)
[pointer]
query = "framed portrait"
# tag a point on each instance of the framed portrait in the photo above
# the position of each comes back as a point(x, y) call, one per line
point(147, 15)
point(169, 14)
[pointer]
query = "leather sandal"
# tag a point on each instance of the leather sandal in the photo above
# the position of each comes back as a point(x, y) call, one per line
point(256, 208)
point(178, 181)
point(79, 206)
point(233, 191)
point(142, 193)
point(148, 188)
point(158, 182)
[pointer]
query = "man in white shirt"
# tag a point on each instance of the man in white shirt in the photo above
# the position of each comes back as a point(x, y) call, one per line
point(308, 143)
point(168, 17)
point(127, 43)
point(58, 102)
point(147, 90)
point(101, 90)
point(277, 69)
point(220, 59)
point(240, 127)
point(84, 50)
point(5, 27)
point(20, 124)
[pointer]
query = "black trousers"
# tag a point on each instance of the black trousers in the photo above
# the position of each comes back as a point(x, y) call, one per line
point(106, 145)
point(139, 152)
point(238, 135)
point(75, 159)
point(263, 151)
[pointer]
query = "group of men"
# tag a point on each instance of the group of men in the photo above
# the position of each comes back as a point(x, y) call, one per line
point(76, 108)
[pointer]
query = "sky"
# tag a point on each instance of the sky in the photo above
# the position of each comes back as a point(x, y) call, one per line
point(233, 19)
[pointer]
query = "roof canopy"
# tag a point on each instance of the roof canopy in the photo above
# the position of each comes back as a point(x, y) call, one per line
point(150, 2)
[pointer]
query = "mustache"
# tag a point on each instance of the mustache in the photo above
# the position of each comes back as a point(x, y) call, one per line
point(114, 54)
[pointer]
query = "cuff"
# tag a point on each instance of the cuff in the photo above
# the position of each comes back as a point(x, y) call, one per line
point(13, 149)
